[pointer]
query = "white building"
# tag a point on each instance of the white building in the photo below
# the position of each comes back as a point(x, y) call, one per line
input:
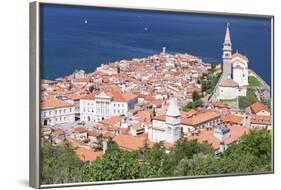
point(79, 74)
point(234, 79)
point(168, 130)
point(54, 111)
point(97, 107)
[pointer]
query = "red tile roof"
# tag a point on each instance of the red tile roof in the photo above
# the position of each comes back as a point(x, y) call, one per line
point(54, 103)
point(80, 130)
point(261, 119)
point(219, 105)
point(85, 154)
point(200, 118)
point(93, 133)
point(258, 106)
point(232, 118)
point(237, 54)
point(58, 132)
point(112, 121)
point(207, 136)
point(90, 96)
point(129, 142)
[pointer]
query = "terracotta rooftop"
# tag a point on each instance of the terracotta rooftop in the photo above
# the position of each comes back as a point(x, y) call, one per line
point(219, 105)
point(129, 142)
point(144, 116)
point(93, 133)
point(85, 154)
point(258, 106)
point(80, 130)
point(199, 118)
point(207, 136)
point(188, 114)
point(90, 96)
point(194, 120)
point(112, 121)
point(261, 119)
point(232, 118)
point(54, 103)
point(239, 55)
point(58, 132)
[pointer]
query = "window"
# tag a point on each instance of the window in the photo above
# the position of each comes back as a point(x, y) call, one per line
point(50, 112)
point(169, 130)
point(70, 109)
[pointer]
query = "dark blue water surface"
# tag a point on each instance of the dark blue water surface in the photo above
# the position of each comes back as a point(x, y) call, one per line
point(84, 38)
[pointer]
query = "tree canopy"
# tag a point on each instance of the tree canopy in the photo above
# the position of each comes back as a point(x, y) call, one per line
point(186, 158)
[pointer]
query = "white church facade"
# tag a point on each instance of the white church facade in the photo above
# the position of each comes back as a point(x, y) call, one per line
point(234, 80)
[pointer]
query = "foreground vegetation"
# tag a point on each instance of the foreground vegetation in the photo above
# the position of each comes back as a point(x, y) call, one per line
point(187, 158)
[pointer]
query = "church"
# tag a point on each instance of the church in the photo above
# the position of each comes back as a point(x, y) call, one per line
point(234, 80)
point(169, 128)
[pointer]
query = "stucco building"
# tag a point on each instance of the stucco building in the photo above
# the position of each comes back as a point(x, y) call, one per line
point(54, 111)
point(103, 105)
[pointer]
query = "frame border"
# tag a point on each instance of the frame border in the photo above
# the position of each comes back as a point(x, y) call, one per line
point(34, 91)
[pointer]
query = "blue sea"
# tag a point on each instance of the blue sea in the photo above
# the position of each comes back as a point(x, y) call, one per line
point(75, 37)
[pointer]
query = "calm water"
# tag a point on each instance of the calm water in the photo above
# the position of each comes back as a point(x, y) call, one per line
point(84, 38)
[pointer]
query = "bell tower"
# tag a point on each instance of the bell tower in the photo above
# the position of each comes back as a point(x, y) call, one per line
point(173, 128)
point(226, 56)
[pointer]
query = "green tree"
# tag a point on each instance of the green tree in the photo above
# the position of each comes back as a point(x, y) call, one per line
point(154, 160)
point(183, 149)
point(112, 146)
point(59, 164)
point(253, 154)
point(115, 165)
point(199, 164)
point(195, 96)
